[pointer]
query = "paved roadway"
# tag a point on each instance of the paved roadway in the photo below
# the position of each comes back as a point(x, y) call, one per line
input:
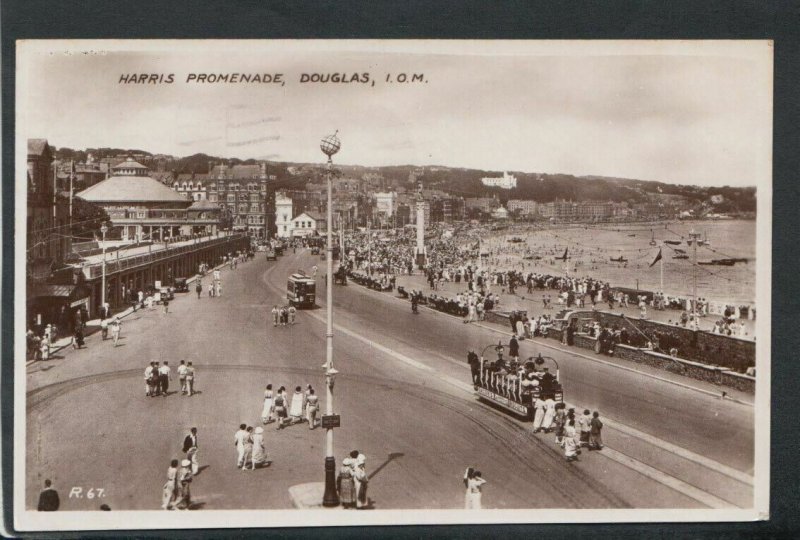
point(404, 402)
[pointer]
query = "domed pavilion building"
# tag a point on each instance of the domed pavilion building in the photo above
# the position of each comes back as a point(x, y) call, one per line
point(141, 208)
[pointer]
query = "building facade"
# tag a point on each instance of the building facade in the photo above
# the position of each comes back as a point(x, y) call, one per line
point(51, 291)
point(523, 206)
point(143, 209)
point(507, 181)
point(243, 194)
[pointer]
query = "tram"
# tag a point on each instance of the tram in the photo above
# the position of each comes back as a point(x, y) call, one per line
point(301, 291)
point(515, 387)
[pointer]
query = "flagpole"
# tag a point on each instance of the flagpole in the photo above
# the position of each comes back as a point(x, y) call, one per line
point(662, 273)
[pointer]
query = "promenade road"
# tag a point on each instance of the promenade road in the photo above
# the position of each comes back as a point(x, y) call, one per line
point(404, 401)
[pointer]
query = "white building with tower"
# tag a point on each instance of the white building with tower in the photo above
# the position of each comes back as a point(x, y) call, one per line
point(283, 215)
point(507, 181)
point(386, 202)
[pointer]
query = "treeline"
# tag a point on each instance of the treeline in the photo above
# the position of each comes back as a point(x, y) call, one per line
point(467, 182)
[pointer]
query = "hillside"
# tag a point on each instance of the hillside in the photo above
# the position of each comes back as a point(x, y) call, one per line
point(466, 182)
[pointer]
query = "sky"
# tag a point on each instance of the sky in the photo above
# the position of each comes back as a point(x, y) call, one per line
point(678, 112)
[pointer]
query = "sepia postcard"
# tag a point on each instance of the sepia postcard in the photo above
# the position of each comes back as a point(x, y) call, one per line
point(287, 283)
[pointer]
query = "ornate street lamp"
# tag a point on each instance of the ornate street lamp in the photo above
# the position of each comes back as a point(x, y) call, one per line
point(103, 230)
point(329, 145)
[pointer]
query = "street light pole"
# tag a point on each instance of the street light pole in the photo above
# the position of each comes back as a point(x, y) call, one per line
point(104, 230)
point(330, 145)
point(694, 236)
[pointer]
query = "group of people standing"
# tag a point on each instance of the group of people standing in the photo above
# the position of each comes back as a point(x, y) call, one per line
point(573, 433)
point(157, 378)
point(278, 407)
point(352, 481)
point(281, 316)
point(177, 493)
point(250, 449)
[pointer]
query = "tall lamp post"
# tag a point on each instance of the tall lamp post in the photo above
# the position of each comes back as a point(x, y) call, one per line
point(103, 230)
point(329, 146)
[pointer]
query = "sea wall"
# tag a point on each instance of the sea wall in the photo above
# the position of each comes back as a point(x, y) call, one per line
point(695, 370)
point(703, 347)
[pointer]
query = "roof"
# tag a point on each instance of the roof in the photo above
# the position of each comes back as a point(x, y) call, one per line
point(37, 147)
point(130, 188)
point(313, 215)
point(204, 205)
point(129, 164)
point(237, 172)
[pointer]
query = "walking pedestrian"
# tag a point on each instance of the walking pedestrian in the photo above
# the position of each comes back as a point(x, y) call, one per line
point(560, 422)
point(549, 414)
point(595, 433)
point(198, 288)
point(259, 452)
point(148, 379)
point(182, 369)
point(238, 441)
point(48, 498)
point(345, 483)
point(103, 329)
point(190, 449)
point(190, 378)
point(164, 376)
point(570, 447)
point(513, 348)
point(280, 407)
point(116, 330)
point(292, 313)
point(474, 366)
point(296, 408)
point(361, 481)
point(269, 401)
point(210, 290)
point(275, 315)
point(184, 482)
point(165, 303)
point(77, 340)
point(475, 482)
point(538, 417)
point(248, 449)
point(170, 492)
point(312, 406)
point(585, 424)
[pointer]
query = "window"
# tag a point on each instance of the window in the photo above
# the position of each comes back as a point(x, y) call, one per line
point(284, 228)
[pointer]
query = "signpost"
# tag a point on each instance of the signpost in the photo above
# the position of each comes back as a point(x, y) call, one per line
point(330, 421)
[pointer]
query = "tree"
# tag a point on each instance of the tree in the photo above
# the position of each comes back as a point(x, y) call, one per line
point(87, 218)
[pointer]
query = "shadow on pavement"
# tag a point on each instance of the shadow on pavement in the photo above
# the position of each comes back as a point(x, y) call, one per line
point(389, 459)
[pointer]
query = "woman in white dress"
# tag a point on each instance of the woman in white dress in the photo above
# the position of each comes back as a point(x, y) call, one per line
point(473, 496)
point(570, 448)
point(361, 481)
point(259, 452)
point(269, 401)
point(296, 408)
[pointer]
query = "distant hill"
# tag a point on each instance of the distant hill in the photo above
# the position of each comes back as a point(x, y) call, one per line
point(466, 182)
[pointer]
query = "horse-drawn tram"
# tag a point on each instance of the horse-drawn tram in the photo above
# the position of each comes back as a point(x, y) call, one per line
point(517, 385)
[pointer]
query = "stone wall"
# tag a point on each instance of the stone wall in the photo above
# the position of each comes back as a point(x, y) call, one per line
point(695, 370)
point(712, 349)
